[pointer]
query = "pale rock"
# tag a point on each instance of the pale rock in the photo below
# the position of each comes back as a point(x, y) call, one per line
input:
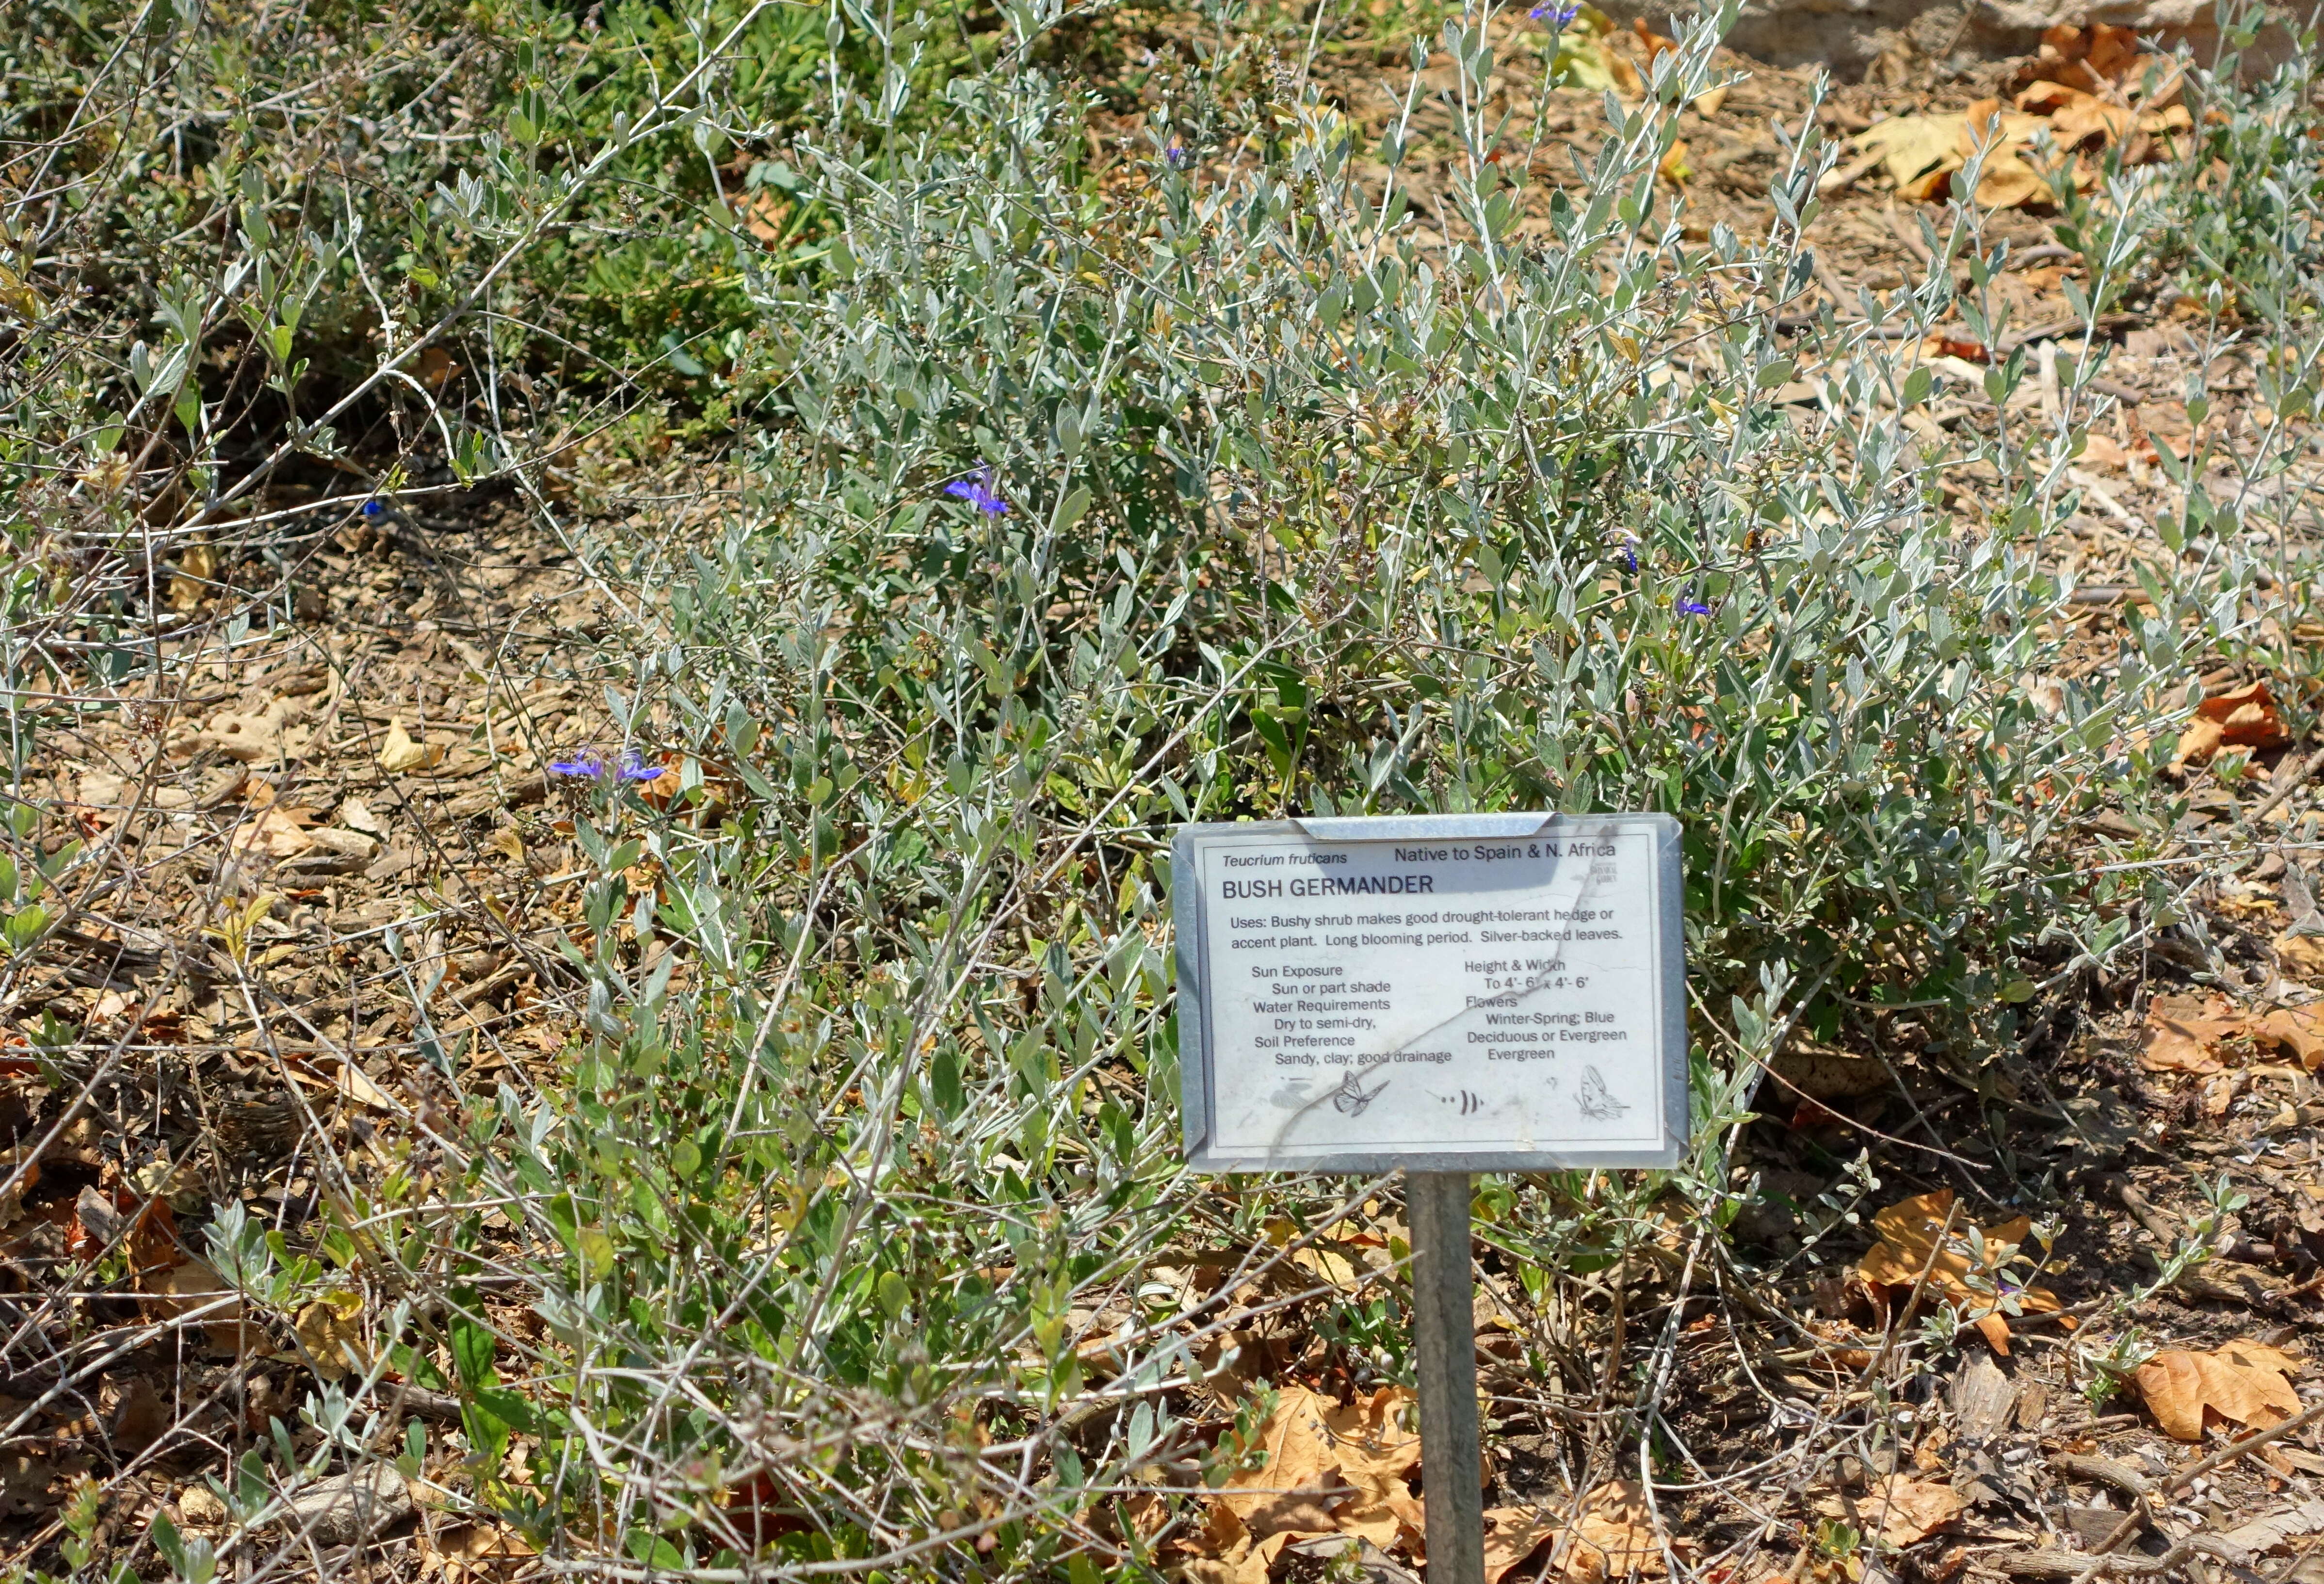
point(200, 1507)
point(333, 851)
point(349, 1507)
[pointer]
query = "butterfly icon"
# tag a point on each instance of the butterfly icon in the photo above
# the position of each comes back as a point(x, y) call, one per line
point(1350, 1099)
point(1596, 1101)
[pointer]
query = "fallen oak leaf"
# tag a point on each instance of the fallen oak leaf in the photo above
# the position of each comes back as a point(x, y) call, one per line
point(1319, 1469)
point(277, 833)
point(330, 851)
point(20, 1168)
point(1291, 1485)
point(2101, 55)
point(1375, 1446)
point(329, 1328)
point(1909, 1245)
point(2077, 118)
point(2182, 1033)
point(1911, 145)
point(193, 1289)
point(399, 754)
point(358, 1086)
point(2298, 1029)
point(1903, 1509)
point(477, 1550)
point(1250, 1563)
point(2244, 1383)
point(2299, 953)
point(2004, 181)
point(2109, 49)
point(2196, 743)
point(196, 570)
point(2247, 717)
point(1227, 1553)
point(1513, 1536)
point(1615, 1537)
point(1327, 1265)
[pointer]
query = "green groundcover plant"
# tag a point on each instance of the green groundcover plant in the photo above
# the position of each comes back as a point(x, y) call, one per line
point(1206, 492)
point(853, 1240)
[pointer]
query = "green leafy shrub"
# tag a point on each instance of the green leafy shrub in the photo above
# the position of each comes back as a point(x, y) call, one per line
point(1220, 491)
point(2244, 204)
point(1079, 506)
point(2244, 233)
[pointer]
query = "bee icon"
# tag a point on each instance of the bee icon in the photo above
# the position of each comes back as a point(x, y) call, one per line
point(1350, 1099)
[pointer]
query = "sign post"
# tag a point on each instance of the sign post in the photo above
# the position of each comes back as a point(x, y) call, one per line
point(1444, 1350)
point(1445, 994)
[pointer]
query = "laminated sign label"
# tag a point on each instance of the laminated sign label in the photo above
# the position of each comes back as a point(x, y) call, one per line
point(1463, 992)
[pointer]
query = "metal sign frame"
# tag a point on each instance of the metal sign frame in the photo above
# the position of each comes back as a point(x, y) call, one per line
point(1197, 1047)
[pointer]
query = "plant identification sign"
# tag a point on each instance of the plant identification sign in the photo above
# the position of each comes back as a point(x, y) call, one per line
point(1446, 993)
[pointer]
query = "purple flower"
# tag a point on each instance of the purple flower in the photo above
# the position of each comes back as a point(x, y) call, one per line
point(1175, 156)
point(632, 767)
point(1559, 17)
point(979, 490)
point(1694, 607)
point(1629, 557)
point(372, 508)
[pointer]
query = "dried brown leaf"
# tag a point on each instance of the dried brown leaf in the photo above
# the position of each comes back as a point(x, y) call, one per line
point(1908, 1233)
point(399, 754)
point(1615, 1537)
point(467, 1550)
point(1905, 1509)
point(2300, 953)
point(1293, 1485)
point(1513, 1536)
point(1325, 1468)
point(193, 1290)
point(1375, 1445)
point(2183, 1033)
point(328, 1328)
point(1911, 145)
point(2247, 717)
point(2244, 1383)
point(2298, 1029)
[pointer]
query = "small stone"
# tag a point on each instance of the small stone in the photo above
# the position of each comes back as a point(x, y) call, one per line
point(199, 1506)
point(349, 1507)
point(99, 1218)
